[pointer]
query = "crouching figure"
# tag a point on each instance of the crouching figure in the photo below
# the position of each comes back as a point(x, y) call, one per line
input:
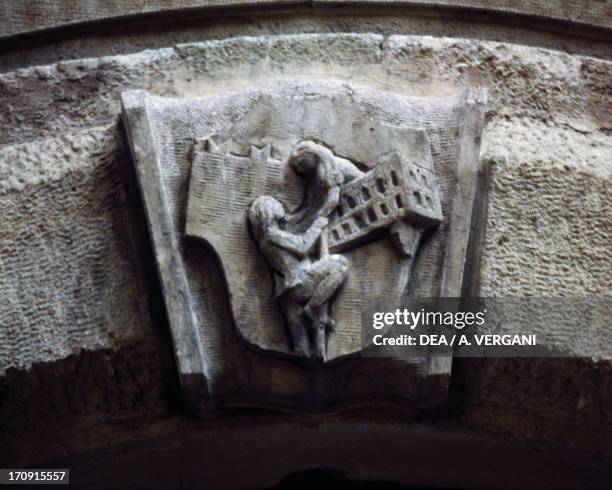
point(306, 277)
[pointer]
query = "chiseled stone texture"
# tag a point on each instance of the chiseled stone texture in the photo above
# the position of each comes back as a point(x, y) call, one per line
point(550, 212)
point(67, 275)
point(71, 107)
point(544, 84)
point(549, 228)
point(21, 17)
point(548, 132)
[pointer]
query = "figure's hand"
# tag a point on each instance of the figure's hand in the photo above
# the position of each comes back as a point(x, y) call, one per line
point(321, 222)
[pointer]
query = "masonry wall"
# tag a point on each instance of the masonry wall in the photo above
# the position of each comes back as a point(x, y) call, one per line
point(86, 361)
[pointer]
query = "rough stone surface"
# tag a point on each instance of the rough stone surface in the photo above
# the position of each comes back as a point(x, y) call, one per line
point(97, 398)
point(27, 17)
point(125, 38)
point(561, 400)
point(529, 86)
point(548, 234)
point(549, 108)
point(67, 274)
point(528, 82)
point(549, 214)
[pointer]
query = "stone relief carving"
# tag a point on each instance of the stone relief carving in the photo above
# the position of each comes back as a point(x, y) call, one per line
point(343, 208)
point(305, 280)
point(302, 203)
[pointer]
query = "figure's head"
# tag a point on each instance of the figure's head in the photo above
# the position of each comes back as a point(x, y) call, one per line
point(265, 212)
point(306, 156)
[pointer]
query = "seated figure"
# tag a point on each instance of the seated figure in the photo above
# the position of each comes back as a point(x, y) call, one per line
point(305, 276)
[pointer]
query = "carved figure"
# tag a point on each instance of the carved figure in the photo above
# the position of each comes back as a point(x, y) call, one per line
point(354, 207)
point(305, 279)
point(230, 289)
point(325, 174)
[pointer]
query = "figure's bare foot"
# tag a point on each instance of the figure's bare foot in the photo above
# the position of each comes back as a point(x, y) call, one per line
point(317, 355)
point(330, 322)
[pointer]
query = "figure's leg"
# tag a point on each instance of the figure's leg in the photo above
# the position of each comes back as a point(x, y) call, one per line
point(307, 339)
point(292, 312)
point(319, 340)
point(330, 273)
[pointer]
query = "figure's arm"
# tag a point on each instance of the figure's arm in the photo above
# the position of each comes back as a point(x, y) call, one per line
point(298, 244)
point(332, 199)
point(349, 170)
point(344, 172)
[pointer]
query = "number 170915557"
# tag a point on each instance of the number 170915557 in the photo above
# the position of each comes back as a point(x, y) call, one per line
point(13, 476)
